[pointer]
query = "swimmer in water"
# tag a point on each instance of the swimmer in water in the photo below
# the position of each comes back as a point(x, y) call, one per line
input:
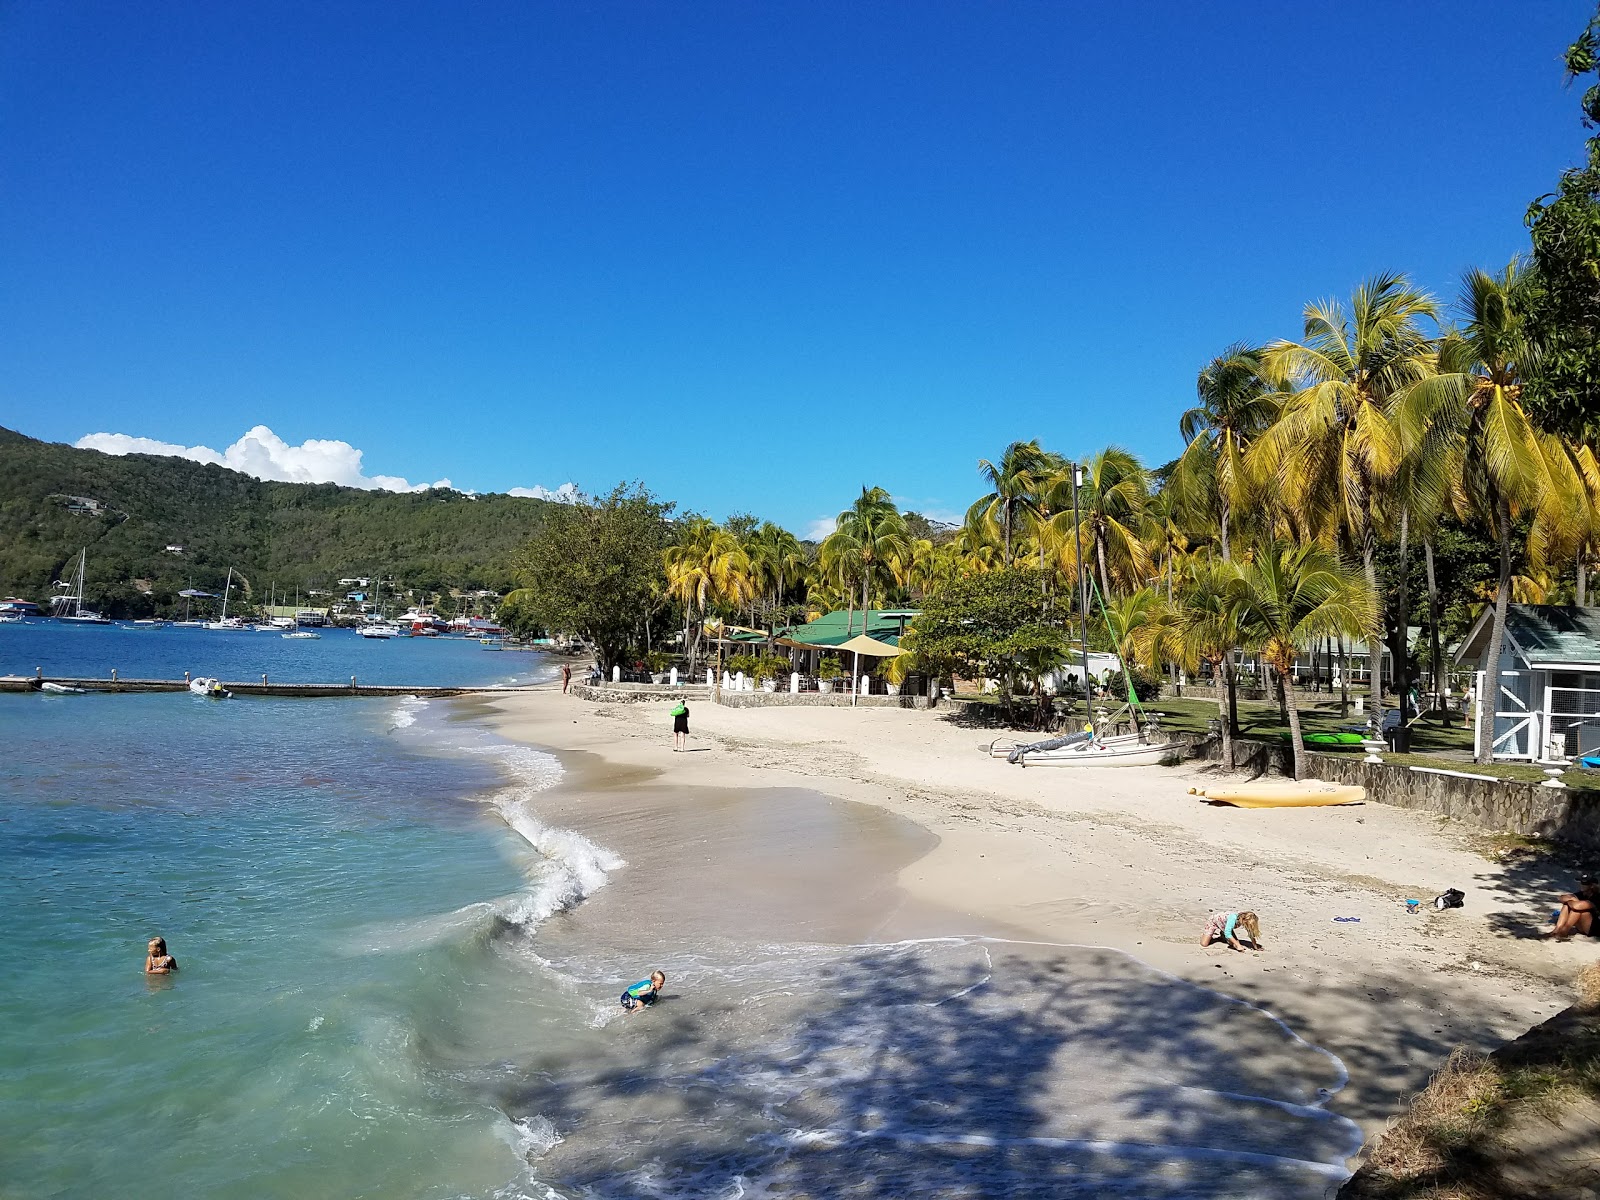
point(157, 961)
point(643, 993)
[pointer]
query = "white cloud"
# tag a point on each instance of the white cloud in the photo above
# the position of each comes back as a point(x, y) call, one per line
point(264, 454)
point(567, 493)
point(820, 528)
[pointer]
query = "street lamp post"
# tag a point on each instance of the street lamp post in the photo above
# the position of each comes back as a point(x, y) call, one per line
point(1083, 599)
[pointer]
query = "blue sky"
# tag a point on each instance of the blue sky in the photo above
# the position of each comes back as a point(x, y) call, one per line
point(756, 255)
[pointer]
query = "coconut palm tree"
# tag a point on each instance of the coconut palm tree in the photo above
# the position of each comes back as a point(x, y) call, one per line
point(1337, 443)
point(707, 568)
point(1111, 507)
point(777, 566)
point(867, 537)
point(1285, 597)
point(1206, 629)
point(1236, 405)
point(1015, 487)
point(1508, 468)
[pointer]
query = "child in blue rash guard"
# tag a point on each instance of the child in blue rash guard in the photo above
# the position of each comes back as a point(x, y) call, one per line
point(644, 992)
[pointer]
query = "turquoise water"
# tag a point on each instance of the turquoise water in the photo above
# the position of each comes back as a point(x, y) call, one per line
point(401, 941)
point(295, 855)
point(157, 652)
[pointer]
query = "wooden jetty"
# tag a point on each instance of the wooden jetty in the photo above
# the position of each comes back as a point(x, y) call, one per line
point(261, 687)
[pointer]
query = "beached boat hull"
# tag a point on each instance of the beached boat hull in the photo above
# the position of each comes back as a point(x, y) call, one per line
point(1281, 794)
point(1108, 755)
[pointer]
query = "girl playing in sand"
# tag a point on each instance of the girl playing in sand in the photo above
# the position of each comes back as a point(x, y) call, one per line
point(157, 961)
point(1225, 927)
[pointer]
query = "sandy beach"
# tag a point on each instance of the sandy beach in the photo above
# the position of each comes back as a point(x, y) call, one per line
point(1116, 858)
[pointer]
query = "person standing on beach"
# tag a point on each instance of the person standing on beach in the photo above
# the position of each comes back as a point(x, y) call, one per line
point(566, 677)
point(680, 726)
point(157, 961)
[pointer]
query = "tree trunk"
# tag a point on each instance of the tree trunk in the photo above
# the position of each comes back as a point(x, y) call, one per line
point(1433, 632)
point(1233, 697)
point(1402, 660)
point(1227, 519)
point(1583, 581)
point(1374, 646)
point(1283, 689)
point(1295, 737)
point(1226, 720)
point(1489, 693)
point(1105, 579)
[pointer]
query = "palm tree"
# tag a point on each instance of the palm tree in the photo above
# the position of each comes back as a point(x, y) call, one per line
point(1112, 501)
point(1285, 597)
point(1015, 487)
point(1207, 630)
point(1337, 443)
point(867, 537)
point(777, 565)
point(1236, 405)
point(1508, 468)
point(707, 568)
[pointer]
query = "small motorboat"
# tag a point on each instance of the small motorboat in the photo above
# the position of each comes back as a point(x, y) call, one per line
point(210, 688)
point(303, 635)
point(61, 689)
point(381, 631)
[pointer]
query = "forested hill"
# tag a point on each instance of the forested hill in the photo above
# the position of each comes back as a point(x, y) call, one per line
point(292, 534)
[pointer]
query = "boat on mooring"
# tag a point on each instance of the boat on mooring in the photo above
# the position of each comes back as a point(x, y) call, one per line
point(210, 688)
point(70, 606)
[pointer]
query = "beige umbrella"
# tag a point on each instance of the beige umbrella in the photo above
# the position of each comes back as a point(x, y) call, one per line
point(862, 644)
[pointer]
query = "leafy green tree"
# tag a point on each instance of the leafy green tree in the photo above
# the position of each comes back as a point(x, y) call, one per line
point(990, 626)
point(1285, 597)
point(593, 566)
point(868, 538)
point(1016, 484)
point(1563, 300)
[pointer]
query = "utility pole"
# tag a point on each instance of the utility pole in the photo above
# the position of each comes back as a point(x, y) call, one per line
point(1083, 599)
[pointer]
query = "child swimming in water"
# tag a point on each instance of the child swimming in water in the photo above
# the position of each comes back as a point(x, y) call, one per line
point(644, 992)
point(157, 961)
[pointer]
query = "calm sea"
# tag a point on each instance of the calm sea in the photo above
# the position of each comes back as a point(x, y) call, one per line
point(401, 941)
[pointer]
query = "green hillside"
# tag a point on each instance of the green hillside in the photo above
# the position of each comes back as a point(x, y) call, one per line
point(291, 534)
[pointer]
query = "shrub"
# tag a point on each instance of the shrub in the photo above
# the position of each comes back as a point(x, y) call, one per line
point(658, 661)
point(830, 668)
point(772, 667)
point(745, 663)
point(1145, 686)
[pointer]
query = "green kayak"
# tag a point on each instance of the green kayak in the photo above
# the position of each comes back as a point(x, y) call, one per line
point(1331, 741)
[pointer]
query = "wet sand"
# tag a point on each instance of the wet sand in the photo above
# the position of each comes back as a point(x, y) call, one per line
point(833, 828)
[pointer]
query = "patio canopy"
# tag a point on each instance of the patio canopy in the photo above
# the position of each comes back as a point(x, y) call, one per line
point(862, 644)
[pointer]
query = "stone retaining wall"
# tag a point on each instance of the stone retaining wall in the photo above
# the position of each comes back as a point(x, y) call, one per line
point(637, 693)
point(731, 699)
point(1501, 806)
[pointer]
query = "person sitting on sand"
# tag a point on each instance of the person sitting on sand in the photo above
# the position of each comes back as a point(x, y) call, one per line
point(1577, 913)
point(1225, 927)
point(157, 961)
point(643, 993)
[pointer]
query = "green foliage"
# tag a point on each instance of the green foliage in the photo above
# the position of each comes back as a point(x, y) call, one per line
point(989, 626)
point(291, 534)
point(658, 661)
point(830, 668)
point(594, 568)
point(1563, 297)
point(772, 667)
point(518, 616)
point(744, 664)
point(1146, 687)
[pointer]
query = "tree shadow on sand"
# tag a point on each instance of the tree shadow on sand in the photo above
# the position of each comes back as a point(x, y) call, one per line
point(961, 1069)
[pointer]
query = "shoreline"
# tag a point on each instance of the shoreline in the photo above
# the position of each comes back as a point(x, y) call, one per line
point(1124, 859)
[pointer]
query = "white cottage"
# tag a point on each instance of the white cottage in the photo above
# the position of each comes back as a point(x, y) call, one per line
point(1547, 688)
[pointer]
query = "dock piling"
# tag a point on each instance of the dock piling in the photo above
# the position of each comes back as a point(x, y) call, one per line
point(113, 674)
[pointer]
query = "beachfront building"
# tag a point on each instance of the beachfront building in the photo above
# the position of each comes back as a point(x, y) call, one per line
point(1546, 688)
point(829, 632)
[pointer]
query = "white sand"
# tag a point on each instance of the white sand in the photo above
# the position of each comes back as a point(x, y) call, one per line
point(1125, 858)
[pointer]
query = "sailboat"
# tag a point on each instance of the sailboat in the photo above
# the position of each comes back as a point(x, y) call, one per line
point(70, 607)
point(224, 623)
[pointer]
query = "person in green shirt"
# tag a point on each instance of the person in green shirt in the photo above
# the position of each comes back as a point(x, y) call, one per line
point(680, 725)
point(643, 993)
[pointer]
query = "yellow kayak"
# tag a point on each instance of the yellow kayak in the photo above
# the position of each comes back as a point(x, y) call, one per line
point(1283, 793)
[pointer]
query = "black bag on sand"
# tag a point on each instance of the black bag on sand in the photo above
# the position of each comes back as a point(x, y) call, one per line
point(1453, 898)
